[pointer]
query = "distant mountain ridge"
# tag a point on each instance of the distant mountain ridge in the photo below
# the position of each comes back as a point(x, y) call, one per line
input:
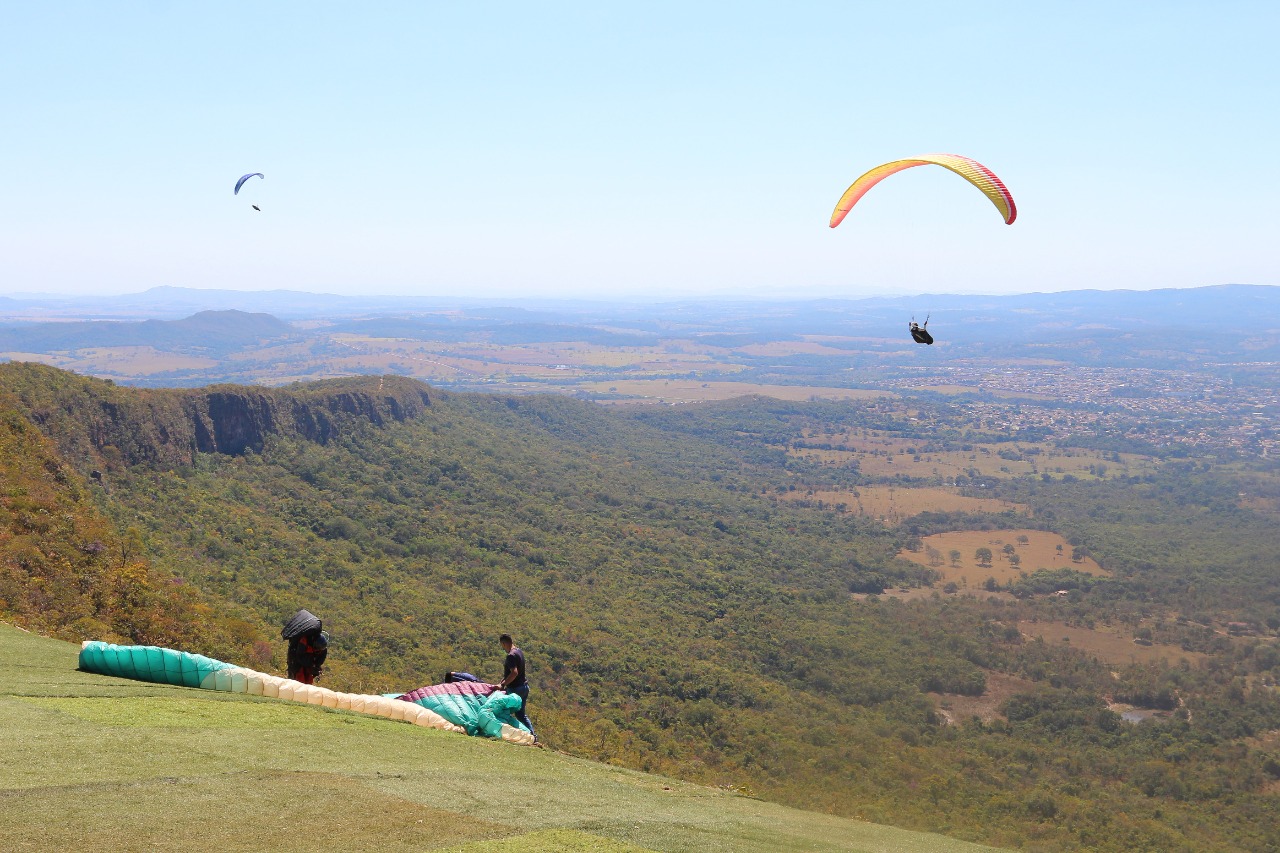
point(1168, 328)
point(1215, 303)
point(215, 332)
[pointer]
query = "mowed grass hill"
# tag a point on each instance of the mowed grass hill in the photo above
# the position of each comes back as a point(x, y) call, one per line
point(100, 763)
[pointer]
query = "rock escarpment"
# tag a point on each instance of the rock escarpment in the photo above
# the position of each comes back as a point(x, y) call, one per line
point(95, 422)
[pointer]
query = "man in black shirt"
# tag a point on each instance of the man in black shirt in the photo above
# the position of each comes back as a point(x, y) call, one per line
point(513, 678)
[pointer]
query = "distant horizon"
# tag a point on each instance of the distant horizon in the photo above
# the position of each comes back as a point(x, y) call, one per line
point(655, 299)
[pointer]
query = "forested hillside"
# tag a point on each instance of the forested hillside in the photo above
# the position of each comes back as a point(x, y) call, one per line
point(679, 616)
point(66, 571)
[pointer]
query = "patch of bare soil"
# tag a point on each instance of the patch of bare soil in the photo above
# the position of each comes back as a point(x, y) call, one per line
point(955, 708)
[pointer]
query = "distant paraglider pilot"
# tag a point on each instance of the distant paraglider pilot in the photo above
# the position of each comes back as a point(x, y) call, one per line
point(920, 334)
point(308, 646)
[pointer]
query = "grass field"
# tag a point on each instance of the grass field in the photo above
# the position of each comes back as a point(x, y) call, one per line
point(893, 504)
point(1110, 645)
point(1040, 551)
point(90, 762)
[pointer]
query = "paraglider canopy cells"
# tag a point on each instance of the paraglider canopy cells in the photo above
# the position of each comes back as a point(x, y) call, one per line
point(244, 178)
point(971, 170)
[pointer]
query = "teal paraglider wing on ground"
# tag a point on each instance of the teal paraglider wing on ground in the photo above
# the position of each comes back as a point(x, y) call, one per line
point(477, 707)
point(149, 663)
point(497, 714)
point(481, 713)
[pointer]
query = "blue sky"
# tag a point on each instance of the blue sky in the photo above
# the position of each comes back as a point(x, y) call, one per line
point(651, 150)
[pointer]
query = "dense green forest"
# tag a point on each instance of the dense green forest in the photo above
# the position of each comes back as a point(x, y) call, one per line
point(678, 617)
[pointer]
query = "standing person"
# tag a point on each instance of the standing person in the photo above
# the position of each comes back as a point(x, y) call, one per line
point(513, 679)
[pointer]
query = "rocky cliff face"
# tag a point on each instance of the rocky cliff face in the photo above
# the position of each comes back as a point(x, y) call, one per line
point(96, 423)
point(232, 420)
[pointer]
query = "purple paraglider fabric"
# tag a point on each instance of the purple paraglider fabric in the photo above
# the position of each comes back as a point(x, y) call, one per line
point(244, 178)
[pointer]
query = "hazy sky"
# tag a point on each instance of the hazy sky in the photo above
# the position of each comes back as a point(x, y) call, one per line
point(635, 149)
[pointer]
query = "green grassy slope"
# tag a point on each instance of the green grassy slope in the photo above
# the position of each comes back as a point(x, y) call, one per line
point(88, 761)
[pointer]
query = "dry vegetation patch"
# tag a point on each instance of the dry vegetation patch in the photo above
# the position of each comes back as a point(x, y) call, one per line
point(881, 455)
point(1255, 503)
point(1107, 643)
point(1033, 549)
point(955, 708)
point(893, 504)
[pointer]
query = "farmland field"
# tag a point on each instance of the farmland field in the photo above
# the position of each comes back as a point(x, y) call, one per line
point(427, 360)
point(119, 361)
point(692, 390)
point(489, 358)
point(1041, 550)
point(779, 349)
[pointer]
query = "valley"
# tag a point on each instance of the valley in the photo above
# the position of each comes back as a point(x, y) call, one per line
point(948, 604)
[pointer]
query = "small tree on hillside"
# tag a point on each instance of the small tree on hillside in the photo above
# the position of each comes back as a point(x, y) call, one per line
point(983, 556)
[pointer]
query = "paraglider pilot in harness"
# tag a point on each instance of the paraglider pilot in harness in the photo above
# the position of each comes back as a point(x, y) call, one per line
point(920, 334)
point(308, 646)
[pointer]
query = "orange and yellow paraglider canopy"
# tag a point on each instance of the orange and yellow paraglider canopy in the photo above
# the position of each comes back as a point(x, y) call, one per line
point(971, 170)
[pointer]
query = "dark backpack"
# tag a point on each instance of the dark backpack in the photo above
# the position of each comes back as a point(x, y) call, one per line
point(308, 651)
